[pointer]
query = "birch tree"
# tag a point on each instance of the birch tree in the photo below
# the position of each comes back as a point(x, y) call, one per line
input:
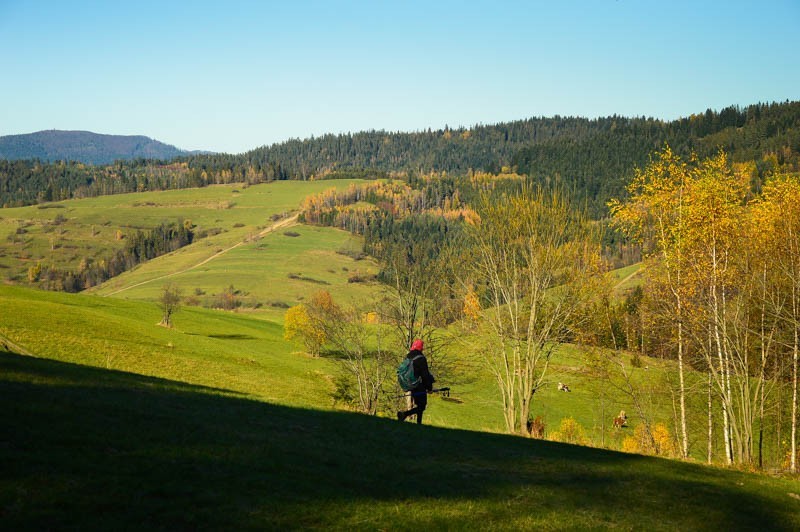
point(780, 203)
point(538, 259)
point(653, 216)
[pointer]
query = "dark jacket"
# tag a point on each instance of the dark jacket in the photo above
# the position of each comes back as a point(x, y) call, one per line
point(421, 370)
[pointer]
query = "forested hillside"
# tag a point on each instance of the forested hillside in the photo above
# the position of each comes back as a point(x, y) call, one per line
point(83, 146)
point(591, 158)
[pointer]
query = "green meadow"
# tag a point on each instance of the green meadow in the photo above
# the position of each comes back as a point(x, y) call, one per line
point(113, 421)
point(94, 449)
point(245, 353)
point(66, 232)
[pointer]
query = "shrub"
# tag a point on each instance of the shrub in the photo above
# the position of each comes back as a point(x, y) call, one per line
point(353, 254)
point(228, 299)
point(660, 444)
point(360, 278)
point(787, 459)
point(570, 431)
point(204, 233)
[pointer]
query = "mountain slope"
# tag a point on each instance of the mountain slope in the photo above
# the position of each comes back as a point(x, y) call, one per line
point(591, 158)
point(84, 146)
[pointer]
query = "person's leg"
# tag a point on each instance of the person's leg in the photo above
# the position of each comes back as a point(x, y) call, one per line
point(421, 400)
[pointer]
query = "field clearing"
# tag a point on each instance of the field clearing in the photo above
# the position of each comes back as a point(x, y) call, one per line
point(278, 270)
point(64, 233)
point(244, 351)
point(627, 278)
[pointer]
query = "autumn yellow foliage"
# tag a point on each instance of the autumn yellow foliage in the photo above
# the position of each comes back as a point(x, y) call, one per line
point(570, 431)
point(299, 325)
point(472, 307)
point(660, 444)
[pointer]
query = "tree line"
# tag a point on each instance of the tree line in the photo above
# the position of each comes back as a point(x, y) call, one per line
point(592, 158)
point(719, 292)
point(721, 296)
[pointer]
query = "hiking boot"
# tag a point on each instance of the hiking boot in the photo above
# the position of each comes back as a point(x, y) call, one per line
point(401, 416)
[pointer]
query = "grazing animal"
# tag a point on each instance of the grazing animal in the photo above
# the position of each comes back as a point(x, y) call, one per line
point(563, 387)
point(536, 427)
point(621, 420)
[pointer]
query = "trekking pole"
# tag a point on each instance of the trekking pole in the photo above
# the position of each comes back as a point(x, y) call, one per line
point(444, 391)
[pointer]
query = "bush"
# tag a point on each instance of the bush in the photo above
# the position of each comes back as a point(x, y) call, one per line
point(360, 278)
point(343, 393)
point(787, 459)
point(205, 233)
point(353, 254)
point(191, 301)
point(570, 431)
point(661, 443)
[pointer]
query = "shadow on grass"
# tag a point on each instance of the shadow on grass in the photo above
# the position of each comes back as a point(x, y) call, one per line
point(92, 449)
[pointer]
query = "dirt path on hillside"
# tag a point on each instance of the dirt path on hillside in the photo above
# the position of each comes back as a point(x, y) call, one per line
point(626, 278)
point(281, 224)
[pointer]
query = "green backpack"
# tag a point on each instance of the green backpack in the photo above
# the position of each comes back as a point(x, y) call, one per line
point(405, 374)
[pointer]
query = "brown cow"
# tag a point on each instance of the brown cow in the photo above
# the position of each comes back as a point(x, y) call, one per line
point(621, 420)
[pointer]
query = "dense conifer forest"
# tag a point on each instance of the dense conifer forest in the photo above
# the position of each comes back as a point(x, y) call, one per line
point(593, 158)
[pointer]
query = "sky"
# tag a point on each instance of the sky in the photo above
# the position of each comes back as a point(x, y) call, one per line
point(236, 75)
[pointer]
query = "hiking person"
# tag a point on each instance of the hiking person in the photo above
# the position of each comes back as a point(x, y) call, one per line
point(423, 383)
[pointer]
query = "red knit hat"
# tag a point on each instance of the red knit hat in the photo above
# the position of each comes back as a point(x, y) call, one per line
point(416, 345)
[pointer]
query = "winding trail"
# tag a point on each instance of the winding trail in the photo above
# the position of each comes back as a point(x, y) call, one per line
point(636, 272)
point(281, 224)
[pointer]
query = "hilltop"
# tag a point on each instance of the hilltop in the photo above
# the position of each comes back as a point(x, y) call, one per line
point(591, 158)
point(85, 147)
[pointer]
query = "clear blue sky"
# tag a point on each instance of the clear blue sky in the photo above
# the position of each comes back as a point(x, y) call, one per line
point(234, 75)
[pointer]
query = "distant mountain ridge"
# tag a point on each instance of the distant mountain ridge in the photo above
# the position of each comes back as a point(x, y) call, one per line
point(84, 146)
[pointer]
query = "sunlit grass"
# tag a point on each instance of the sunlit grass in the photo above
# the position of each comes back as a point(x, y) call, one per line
point(64, 233)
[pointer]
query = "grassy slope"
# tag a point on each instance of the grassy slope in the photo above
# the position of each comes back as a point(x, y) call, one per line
point(206, 347)
point(235, 351)
point(247, 354)
point(259, 269)
point(89, 449)
point(91, 224)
